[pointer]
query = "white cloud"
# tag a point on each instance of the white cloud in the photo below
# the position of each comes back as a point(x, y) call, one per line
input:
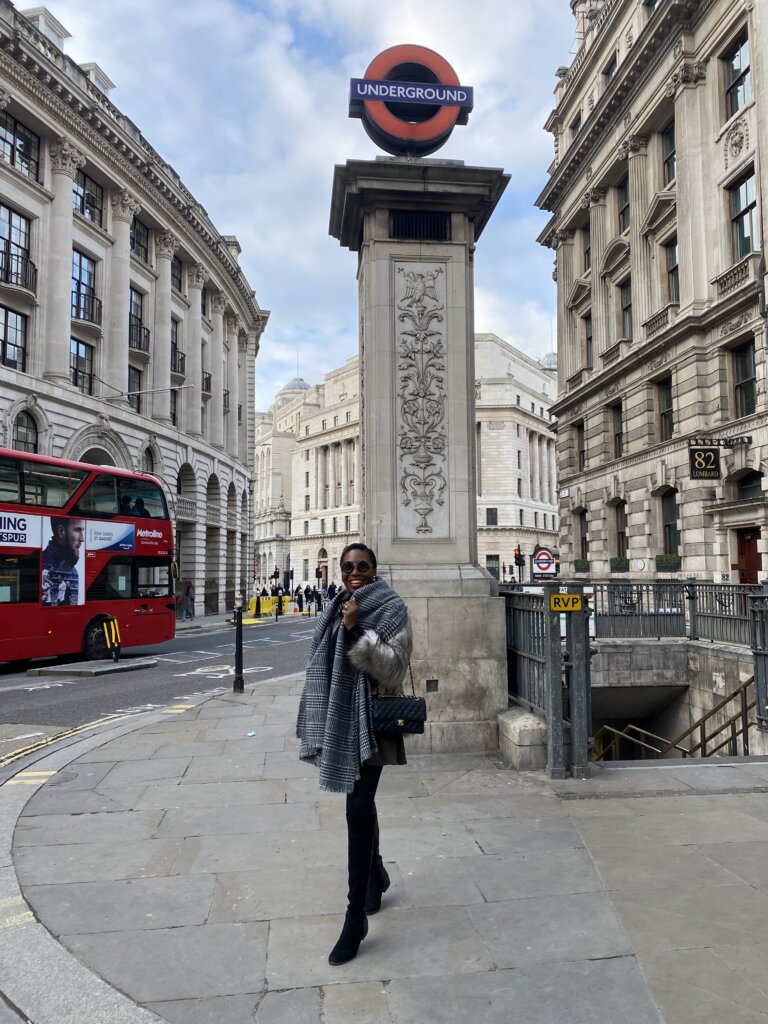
point(248, 102)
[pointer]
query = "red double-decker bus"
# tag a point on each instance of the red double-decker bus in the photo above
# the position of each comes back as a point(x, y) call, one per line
point(79, 543)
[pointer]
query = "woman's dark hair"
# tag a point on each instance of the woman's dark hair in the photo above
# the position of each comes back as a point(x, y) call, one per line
point(359, 546)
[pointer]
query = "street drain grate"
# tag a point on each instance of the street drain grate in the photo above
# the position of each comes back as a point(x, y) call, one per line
point(637, 794)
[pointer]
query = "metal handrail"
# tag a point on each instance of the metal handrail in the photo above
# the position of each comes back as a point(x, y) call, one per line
point(85, 306)
point(700, 725)
point(138, 334)
point(17, 268)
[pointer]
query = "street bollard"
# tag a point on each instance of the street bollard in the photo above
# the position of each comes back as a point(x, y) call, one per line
point(237, 685)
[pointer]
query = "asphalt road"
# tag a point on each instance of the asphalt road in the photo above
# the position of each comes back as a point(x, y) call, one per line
point(193, 663)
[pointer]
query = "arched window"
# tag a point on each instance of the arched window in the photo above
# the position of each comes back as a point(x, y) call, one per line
point(25, 433)
point(669, 514)
point(751, 485)
point(148, 461)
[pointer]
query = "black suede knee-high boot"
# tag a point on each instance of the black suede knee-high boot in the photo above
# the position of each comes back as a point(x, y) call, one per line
point(360, 831)
point(378, 881)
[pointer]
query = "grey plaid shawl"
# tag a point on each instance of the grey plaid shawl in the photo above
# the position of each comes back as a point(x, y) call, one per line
point(334, 723)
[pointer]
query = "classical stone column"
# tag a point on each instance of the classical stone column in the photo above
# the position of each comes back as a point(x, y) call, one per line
point(124, 208)
point(66, 160)
point(165, 247)
point(553, 473)
point(344, 473)
point(216, 403)
point(233, 330)
point(635, 149)
point(318, 496)
point(244, 396)
point(563, 242)
point(332, 476)
point(533, 458)
point(693, 137)
point(196, 278)
point(602, 333)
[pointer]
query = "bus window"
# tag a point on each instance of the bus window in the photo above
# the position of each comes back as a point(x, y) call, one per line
point(10, 481)
point(20, 579)
point(123, 578)
point(100, 498)
point(141, 498)
point(48, 486)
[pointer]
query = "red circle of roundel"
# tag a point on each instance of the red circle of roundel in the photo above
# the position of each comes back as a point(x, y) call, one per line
point(443, 121)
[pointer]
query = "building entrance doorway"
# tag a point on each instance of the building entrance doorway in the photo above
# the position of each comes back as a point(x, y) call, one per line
point(749, 558)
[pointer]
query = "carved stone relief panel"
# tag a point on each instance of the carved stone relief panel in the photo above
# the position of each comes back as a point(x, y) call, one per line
point(421, 426)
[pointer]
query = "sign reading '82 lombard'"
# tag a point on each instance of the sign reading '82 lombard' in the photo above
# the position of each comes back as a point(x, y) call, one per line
point(704, 462)
point(410, 100)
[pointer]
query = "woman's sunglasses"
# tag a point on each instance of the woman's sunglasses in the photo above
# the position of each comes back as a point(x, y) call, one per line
point(351, 566)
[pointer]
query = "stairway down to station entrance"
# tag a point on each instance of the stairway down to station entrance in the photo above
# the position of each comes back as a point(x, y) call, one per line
point(723, 731)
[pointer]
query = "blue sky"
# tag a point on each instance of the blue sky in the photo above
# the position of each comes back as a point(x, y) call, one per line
point(248, 101)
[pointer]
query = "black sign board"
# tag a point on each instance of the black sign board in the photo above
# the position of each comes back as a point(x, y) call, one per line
point(704, 462)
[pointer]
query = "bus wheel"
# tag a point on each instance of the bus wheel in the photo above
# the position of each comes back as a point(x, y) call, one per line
point(94, 641)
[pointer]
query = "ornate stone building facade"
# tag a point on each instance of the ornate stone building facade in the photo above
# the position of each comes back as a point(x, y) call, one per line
point(657, 192)
point(128, 331)
point(307, 466)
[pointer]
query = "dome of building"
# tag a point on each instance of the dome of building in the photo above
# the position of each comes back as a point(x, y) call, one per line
point(549, 361)
point(297, 384)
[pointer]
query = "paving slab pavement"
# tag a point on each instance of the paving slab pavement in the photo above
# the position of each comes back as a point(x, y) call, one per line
point(181, 870)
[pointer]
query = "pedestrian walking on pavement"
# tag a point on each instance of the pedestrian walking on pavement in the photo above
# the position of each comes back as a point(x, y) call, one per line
point(332, 591)
point(362, 644)
point(300, 600)
point(188, 608)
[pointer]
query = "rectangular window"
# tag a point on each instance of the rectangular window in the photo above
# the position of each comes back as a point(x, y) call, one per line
point(588, 348)
point(492, 565)
point(520, 515)
point(15, 266)
point(322, 526)
point(335, 421)
point(745, 390)
point(518, 399)
point(348, 417)
point(138, 334)
point(334, 524)
point(306, 503)
point(610, 69)
point(746, 234)
point(88, 198)
point(176, 271)
point(85, 305)
point(20, 578)
point(669, 153)
point(575, 126)
point(81, 365)
point(536, 520)
point(204, 302)
point(673, 271)
point(586, 239)
point(306, 455)
point(306, 569)
point(738, 78)
point(306, 479)
point(621, 530)
point(13, 339)
point(306, 527)
point(324, 424)
point(617, 426)
point(626, 310)
point(545, 520)
point(519, 487)
point(622, 194)
point(491, 517)
point(134, 385)
point(175, 407)
point(583, 536)
point(19, 146)
point(140, 239)
point(347, 523)
point(519, 459)
point(669, 522)
point(666, 414)
point(581, 455)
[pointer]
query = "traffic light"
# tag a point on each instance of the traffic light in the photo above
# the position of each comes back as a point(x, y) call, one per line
point(291, 575)
point(519, 557)
point(276, 573)
point(319, 573)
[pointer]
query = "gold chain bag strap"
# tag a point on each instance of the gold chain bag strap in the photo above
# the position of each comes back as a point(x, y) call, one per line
point(399, 713)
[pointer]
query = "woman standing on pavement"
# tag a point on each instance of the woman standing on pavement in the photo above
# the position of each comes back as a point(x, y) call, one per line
point(362, 644)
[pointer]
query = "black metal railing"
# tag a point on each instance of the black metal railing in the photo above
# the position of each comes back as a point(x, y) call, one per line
point(138, 334)
point(207, 383)
point(85, 306)
point(178, 362)
point(17, 269)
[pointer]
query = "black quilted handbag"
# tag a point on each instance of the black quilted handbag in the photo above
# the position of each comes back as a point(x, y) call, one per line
point(399, 712)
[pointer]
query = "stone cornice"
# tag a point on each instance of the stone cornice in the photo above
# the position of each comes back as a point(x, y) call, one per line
point(35, 68)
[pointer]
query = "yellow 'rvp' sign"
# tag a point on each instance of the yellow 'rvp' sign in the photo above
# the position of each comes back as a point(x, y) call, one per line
point(565, 602)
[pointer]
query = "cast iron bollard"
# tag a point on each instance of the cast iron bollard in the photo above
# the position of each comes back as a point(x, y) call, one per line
point(237, 685)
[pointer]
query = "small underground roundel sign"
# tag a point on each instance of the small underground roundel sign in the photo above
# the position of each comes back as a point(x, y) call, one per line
point(410, 100)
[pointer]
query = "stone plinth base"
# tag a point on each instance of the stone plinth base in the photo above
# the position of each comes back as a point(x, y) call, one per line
point(523, 739)
point(459, 657)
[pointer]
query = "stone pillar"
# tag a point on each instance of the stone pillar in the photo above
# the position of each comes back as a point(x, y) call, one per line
point(318, 495)
point(233, 330)
point(566, 335)
point(417, 431)
point(356, 467)
point(697, 237)
point(602, 329)
point(66, 160)
point(243, 396)
point(165, 247)
point(635, 149)
point(332, 476)
point(344, 474)
point(196, 278)
point(124, 209)
point(216, 403)
point(553, 474)
point(534, 464)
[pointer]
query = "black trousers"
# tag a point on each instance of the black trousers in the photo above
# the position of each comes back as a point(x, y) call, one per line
point(361, 836)
point(361, 802)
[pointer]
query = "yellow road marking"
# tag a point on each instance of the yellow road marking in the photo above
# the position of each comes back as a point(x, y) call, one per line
point(10, 922)
point(23, 782)
point(11, 901)
point(30, 773)
point(14, 755)
point(182, 706)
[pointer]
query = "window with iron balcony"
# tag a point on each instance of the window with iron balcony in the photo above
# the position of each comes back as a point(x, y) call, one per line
point(13, 339)
point(738, 76)
point(88, 198)
point(16, 267)
point(19, 146)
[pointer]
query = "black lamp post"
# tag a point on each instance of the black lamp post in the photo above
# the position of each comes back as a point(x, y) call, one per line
point(237, 685)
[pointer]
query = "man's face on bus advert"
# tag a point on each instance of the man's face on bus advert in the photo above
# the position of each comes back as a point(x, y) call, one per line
point(70, 534)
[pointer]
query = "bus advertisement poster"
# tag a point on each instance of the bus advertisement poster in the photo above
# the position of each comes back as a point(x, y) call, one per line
point(110, 536)
point(63, 576)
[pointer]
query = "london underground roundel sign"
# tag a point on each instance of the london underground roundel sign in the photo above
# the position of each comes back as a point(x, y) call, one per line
point(410, 100)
